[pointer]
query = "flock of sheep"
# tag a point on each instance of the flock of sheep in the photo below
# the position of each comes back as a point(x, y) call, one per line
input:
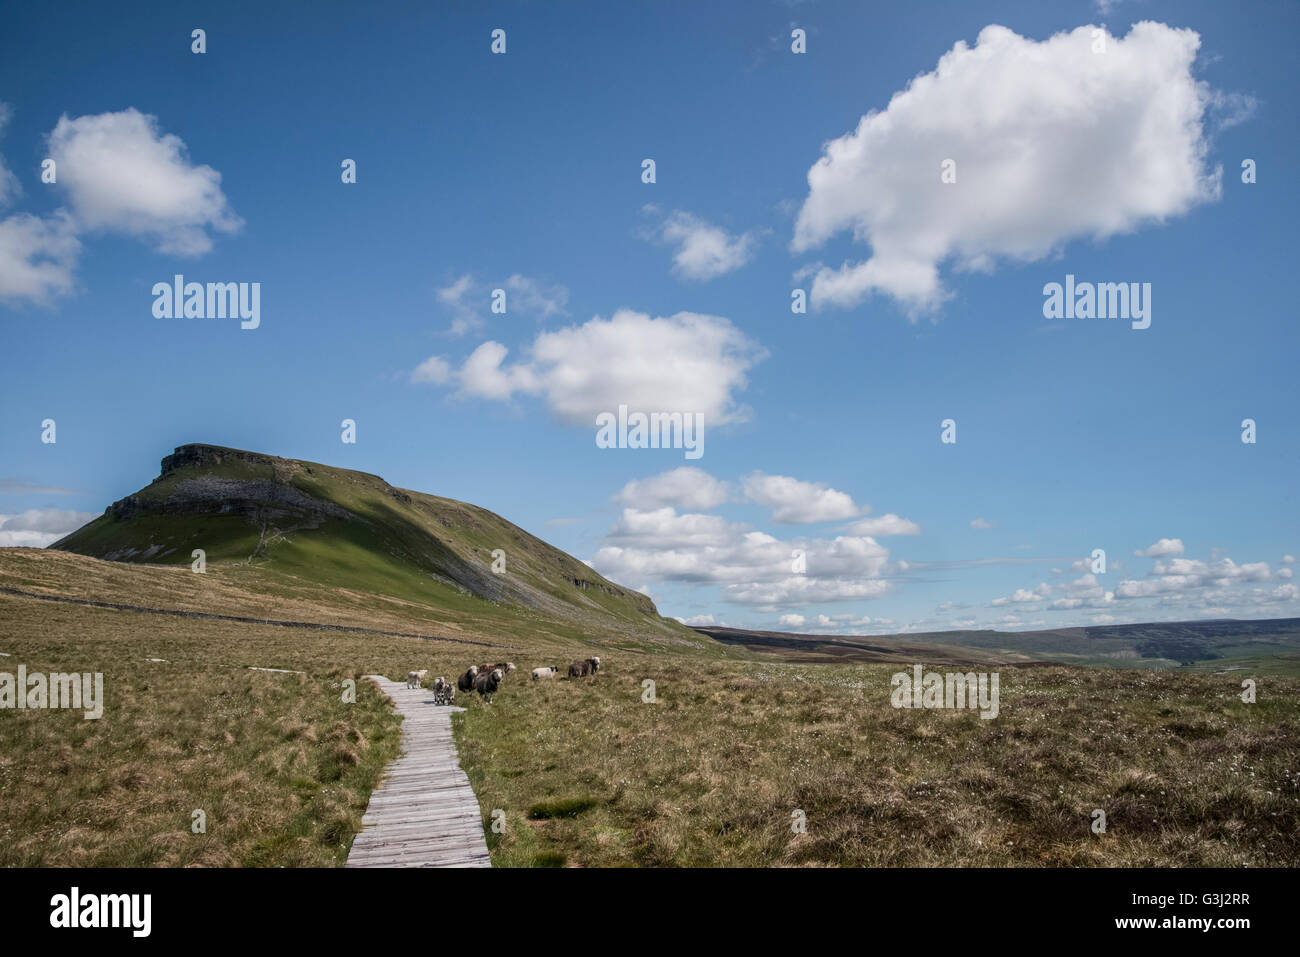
point(486, 679)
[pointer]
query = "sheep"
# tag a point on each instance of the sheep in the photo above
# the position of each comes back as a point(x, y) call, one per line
point(466, 681)
point(412, 680)
point(580, 669)
point(505, 666)
point(550, 671)
point(444, 692)
point(486, 685)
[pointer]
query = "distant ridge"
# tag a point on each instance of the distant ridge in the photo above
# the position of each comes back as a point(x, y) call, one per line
point(1161, 643)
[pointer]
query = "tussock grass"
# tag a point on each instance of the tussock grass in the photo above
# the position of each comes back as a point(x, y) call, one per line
point(589, 775)
point(711, 773)
point(280, 765)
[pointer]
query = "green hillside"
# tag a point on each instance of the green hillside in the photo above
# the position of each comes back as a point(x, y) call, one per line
point(283, 523)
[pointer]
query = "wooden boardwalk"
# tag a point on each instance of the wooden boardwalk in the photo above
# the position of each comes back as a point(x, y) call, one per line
point(424, 813)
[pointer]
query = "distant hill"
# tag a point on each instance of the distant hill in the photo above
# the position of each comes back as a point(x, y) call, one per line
point(1220, 644)
point(303, 523)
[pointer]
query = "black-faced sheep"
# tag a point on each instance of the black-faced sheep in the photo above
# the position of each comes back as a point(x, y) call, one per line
point(466, 681)
point(486, 685)
point(581, 669)
point(441, 686)
point(550, 671)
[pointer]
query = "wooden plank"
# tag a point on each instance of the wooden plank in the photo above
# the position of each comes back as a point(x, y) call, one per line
point(424, 813)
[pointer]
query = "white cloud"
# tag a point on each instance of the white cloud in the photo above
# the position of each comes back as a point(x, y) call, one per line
point(703, 251)
point(36, 528)
point(455, 293)
point(1161, 549)
point(797, 502)
point(683, 363)
point(38, 258)
point(698, 621)
point(121, 174)
point(470, 301)
point(754, 567)
point(844, 624)
point(889, 524)
point(1288, 559)
point(10, 187)
point(483, 377)
point(665, 528)
point(802, 590)
point(1023, 596)
point(1182, 584)
point(981, 523)
point(1052, 142)
point(793, 620)
point(434, 370)
point(1084, 592)
point(685, 487)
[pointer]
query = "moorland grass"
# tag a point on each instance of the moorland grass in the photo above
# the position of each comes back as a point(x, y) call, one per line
point(589, 773)
point(711, 772)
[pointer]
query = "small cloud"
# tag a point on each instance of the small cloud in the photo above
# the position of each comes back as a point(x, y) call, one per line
point(889, 524)
point(122, 174)
point(698, 621)
point(434, 370)
point(1164, 548)
point(703, 251)
point(37, 527)
point(797, 502)
point(981, 523)
point(687, 488)
point(470, 302)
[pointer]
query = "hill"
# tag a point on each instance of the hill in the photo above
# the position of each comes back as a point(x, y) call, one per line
point(1271, 645)
point(287, 529)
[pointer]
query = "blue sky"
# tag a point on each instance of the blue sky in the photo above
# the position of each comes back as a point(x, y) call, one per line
point(523, 171)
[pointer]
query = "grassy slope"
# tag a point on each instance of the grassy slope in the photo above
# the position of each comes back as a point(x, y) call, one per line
point(421, 557)
point(589, 775)
point(281, 766)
